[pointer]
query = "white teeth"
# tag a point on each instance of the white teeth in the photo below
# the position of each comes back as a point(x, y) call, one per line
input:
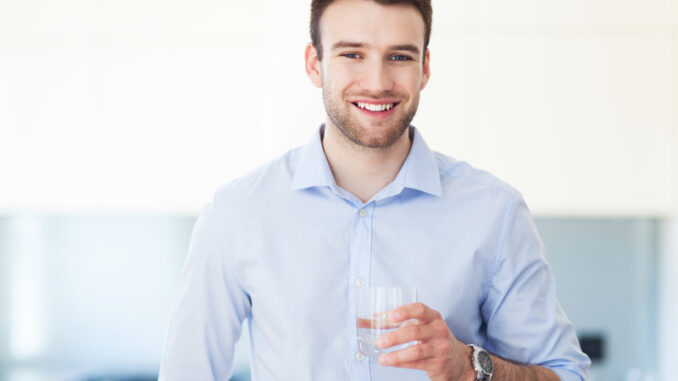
point(373, 107)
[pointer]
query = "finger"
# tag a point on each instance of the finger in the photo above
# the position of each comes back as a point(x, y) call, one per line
point(406, 334)
point(417, 311)
point(429, 365)
point(415, 353)
point(424, 364)
point(419, 364)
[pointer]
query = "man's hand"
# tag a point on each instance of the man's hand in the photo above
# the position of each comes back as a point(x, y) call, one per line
point(438, 352)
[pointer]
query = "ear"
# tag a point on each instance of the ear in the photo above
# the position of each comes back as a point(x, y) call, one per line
point(313, 65)
point(426, 70)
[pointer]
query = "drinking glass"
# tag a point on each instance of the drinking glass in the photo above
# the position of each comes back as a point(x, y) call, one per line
point(373, 304)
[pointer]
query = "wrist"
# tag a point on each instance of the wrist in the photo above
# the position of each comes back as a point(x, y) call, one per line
point(468, 374)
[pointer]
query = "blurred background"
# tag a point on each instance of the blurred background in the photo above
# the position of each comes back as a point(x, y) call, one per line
point(118, 119)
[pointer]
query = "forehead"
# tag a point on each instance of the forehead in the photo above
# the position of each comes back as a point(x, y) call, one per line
point(373, 23)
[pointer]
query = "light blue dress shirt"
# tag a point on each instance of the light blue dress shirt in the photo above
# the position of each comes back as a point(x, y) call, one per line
point(287, 248)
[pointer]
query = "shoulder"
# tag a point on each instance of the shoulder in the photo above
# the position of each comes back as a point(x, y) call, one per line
point(268, 179)
point(456, 173)
point(475, 190)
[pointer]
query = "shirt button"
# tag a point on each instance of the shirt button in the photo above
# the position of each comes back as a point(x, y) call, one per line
point(359, 356)
point(360, 282)
point(363, 212)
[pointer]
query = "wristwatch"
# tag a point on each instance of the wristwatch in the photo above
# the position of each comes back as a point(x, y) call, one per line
point(482, 363)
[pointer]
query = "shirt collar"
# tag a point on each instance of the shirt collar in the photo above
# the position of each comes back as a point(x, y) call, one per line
point(420, 170)
point(313, 170)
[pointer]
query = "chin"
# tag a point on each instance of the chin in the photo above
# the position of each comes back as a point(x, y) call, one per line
point(383, 139)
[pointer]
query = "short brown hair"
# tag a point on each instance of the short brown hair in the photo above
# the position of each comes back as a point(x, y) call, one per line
point(318, 7)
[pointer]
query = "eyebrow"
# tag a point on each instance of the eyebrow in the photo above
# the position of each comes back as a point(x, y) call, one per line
point(350, 44)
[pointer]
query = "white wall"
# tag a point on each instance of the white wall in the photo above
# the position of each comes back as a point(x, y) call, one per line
point(137, 105)
point(150, 105)
point(567, 100)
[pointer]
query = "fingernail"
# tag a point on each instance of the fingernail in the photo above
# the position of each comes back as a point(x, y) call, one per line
point(383, 359)
point(395, 315)
point(382, 341)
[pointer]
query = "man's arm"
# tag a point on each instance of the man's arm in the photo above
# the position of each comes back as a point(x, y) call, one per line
point(441, 354)
point(505, 370)
point(522, 317)
point(208, 310)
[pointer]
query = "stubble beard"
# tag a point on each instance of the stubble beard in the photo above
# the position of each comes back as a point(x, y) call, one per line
point(360, 135)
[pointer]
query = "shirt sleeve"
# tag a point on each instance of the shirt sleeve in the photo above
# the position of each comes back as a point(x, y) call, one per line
point(208, 310)
point(525, 322)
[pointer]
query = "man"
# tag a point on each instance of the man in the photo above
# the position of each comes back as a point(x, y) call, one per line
point(367, 203)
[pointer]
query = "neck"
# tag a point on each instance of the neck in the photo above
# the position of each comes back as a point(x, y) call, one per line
point(363, 171)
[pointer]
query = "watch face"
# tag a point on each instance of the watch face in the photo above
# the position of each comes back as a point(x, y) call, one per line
point(485, 362)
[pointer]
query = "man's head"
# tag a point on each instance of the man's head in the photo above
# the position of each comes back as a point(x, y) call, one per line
point(318, 7)
point(371, 60)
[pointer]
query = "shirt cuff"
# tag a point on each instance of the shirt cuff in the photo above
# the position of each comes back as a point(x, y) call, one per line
point(568, 375)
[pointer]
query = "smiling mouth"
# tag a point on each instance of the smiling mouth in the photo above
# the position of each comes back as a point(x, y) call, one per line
point(384, 107)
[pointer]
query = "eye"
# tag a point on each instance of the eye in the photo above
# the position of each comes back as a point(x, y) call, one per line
point(351, 55)
point(400, 57)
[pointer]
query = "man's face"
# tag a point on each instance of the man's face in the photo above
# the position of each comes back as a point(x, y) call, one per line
point(372, 72)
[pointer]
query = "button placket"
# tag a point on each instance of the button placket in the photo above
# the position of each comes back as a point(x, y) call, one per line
point(361, 248)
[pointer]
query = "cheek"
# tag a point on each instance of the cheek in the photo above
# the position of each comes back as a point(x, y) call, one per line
point(343, 76)
point(410, 81)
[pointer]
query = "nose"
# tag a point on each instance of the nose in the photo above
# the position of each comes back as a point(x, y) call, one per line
point(376, 77)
